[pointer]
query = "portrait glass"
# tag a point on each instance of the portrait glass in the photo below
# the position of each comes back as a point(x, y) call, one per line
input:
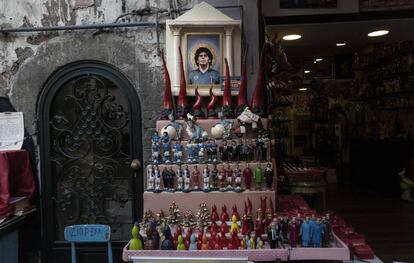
point(203, 59)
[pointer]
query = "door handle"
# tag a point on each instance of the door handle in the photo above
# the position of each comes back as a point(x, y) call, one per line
point(135, 165)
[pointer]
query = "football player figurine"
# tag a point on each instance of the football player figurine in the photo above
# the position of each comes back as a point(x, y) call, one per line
point(268, 173)
point(170, 179)
point(229, 179)
point(212, 151)
point(252, 149)
point(165, 148)
point(244, 150)
point(155, 152)
point(157, 176)
point(258, 177)
point(150, 178)
point(195, 176)
point(259, 148)
point(224, 151)
point(201, 152)
point(222, 178)
point(178, 152)
point(155, 138)
point(214, 177)
point(180, 179)
point(237, 179)
point(234, 153)
point(248, 175)
point(265, 140)
point(206, 179)
point(165, 175)
point(187, 179)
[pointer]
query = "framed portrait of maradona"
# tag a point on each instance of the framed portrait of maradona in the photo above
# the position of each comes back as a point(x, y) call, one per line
point(203, 58)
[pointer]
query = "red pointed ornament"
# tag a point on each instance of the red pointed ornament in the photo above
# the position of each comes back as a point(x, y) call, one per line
point(168, 106)
point(242, 102)
point(211, 107)
point(257, 99)
point(197, 107)
point(226, 108)
point(182, 109)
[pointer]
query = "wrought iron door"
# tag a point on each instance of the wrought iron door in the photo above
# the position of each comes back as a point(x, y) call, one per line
point(90, 123)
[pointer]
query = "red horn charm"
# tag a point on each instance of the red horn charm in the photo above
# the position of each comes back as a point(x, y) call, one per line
point(182, 109)
point(226, 101)
point(211, 107)
point(257, 99)
point(197, 111)
point(242, 97)
point(168, 106)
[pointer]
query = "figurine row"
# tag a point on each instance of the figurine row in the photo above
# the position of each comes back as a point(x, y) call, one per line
point(210, 151)
point(223, 179)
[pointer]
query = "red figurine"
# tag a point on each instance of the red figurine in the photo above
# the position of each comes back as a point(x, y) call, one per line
point(244, 225)
point(218, 245)
point(211, 107)
point(293, 232)
point(263, 203)
point(213, 227)
point(200, 238)
point(234, 242)
point(214, 216)
point(247, 174)
point(224, 227)
point(259, 230)
point(236, 213)
point(187, 240)
point(213, 240)
point(195, 174)
point(167, 107)
point(224, 217)
point(223, 239)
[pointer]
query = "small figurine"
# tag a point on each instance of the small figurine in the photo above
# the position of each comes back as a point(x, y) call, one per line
point(258, 177)
point(293, 232)
point(223, 239)
point(165, 148)
point(178, 149)
point(305, 232)
point(151, 242)
point(237, 179)
point(252, 243)
point(222, 178)
point(252, 149)
point(244, 150)
point(247, 174)
point(259, 243)
point(268, 173)
point(165, 177)
point(224, 151)
point(195, 175)
point(212, 151)
point(155, 138)
point(180, 245)
point(215, 178)
point(316, 233)
point(206, 179)
point(157, 176)
point(243, 243)
point(259, 148)
point(234, 227)
point(227, 125)
point(204, 245)
point(229, 179)
point(327, 230)
point(234, 242)
point(235, 213)
point(201, 152)
point(177, 127)
point(155, 152)
point(170, 179)
point(194, 131)
point(214, 215)
point(272, 234)
point(193, 243)
point(265, 140)
point(150, 178)
point(167, 244)
point(260, 221)
point(180, 179)
point(224, 217)
point(187, 179)
point(234, 151)
point(137, 242)
point(191, 152)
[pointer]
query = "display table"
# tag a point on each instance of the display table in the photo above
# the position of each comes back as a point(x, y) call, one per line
point(16, 178)
point(309, 188)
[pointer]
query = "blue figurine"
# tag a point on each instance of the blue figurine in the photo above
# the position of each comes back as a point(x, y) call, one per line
point(305, 232)
point(259, 149)
point(194, 131)
point(178, 152)
point(316, 233)
point(155, 148)
point(176, 125)
point(191, 151)
point(167, 244)
point(193, 243)
point(201, 152)
point(166, 147)
point(155, 138)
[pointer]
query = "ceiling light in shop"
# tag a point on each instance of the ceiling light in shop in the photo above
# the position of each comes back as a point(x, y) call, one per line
point(292, 37)
point(340, 44)
point(378, 33)
point(303, 89)
point(306, 71)
point(319, 59)
point(315, 62)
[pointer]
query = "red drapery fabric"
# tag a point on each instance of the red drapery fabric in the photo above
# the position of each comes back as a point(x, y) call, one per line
point(16, 178)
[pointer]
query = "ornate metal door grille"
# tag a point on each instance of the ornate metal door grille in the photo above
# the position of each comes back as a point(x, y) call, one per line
point(90, 134)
